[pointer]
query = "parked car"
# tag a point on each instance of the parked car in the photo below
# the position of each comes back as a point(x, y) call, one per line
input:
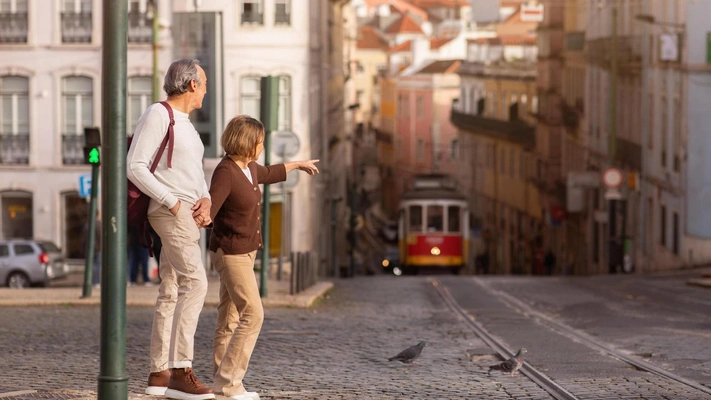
point(391, 261)
point(25, 263)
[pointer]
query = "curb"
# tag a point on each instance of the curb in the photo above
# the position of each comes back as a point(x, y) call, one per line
point(302, 300)
point(703, 282)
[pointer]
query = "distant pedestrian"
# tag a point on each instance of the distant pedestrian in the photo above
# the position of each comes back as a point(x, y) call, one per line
point(235, 238)
point(137, 257)
point(549, 262)
point(179, 207)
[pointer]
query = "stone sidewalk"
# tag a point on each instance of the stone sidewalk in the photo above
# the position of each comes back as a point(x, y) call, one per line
point(277, 295)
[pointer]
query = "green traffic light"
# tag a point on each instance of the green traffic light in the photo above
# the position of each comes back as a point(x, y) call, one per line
point(94, 156)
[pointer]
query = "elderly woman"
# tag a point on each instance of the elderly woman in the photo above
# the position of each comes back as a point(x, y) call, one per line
point(235, 238)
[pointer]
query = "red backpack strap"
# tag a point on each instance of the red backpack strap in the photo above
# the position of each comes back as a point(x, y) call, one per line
point(169, 139)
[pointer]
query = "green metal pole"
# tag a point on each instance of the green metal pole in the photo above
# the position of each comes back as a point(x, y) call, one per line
point(156, 78)
point(89, 262)
point(269, 104)
point(113, 379)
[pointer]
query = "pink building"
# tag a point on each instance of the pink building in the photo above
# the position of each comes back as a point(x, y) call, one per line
point(425, 140)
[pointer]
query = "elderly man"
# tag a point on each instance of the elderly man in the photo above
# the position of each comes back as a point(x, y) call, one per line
point(179, 207)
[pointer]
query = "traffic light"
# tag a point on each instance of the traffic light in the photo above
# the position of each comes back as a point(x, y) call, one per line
point(92, 146)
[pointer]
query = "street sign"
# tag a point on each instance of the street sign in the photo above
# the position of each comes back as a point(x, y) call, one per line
point(612, 178)
point(285, 144)
point(84, 185)
point(613, 194)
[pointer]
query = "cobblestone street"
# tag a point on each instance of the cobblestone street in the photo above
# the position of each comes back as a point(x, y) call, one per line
point(338, 349)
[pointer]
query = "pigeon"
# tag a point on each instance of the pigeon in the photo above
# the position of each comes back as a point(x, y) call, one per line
point(511, 365)
point(409, 355)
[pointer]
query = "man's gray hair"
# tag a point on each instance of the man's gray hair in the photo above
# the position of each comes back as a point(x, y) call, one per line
point(180, 73)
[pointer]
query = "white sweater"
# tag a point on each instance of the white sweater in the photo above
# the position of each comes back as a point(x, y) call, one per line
point(185, 181)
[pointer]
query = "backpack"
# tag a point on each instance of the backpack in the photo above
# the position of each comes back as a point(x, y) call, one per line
point(137, 207)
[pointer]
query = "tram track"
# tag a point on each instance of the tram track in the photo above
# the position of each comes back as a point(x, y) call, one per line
point(541, 379)
point(563, 329)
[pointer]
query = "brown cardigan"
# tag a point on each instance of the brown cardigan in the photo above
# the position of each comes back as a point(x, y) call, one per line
point(236, 205)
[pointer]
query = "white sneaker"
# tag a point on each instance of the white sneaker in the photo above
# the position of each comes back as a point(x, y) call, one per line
point(246, 396)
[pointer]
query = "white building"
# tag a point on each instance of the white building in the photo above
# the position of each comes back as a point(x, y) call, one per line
point(50, 82)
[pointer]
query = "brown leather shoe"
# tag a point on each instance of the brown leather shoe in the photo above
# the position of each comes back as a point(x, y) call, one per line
point(184, 385)
point(158, 382)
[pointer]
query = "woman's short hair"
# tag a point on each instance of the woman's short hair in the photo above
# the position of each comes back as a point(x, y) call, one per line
point(241, 136)
point(180, 74)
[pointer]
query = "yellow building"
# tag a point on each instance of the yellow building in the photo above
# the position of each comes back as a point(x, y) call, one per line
point(495, 117)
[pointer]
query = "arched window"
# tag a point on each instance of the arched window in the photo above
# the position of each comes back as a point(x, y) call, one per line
point(250, 94)
point(77, 113)
point(140, 95)
point(14, 120)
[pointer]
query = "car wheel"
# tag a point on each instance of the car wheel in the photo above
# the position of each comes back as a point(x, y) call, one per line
point(18, 280)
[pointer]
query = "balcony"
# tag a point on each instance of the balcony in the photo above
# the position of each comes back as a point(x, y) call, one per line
point(252, 18)
point(515, 131)
point(72, 149)
point(281, 17)
point(15, 149)
point(524, 70)
point(13, 27)
point(76, 27)
point(629, 53)
point(140, 27)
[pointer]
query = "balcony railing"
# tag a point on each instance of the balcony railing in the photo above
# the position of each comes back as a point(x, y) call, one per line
point(515, 131)
point(629, 52)
point(13, 27)
point(140, 27)
point(76, 27)
point(14, 149)
point(282, 18)
point(72, 149)
point(512, 70)
point(252, 17)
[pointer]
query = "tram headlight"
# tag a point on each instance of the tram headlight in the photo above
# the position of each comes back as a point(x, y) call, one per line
point(386, 263)
point(435, 251)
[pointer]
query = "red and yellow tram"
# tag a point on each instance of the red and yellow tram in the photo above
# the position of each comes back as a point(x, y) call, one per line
point(432, 226)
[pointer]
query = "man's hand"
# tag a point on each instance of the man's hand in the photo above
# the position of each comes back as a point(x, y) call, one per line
point(175, 208)
point(201, 212)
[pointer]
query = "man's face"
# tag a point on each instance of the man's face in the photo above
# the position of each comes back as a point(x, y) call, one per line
point(201, 88)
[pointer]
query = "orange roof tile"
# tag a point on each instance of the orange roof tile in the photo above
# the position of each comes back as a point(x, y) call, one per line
point(404, 46)
point(440, 3)
point(441, 67)
point(404, 25)
point(369, 38)
point(436, 43)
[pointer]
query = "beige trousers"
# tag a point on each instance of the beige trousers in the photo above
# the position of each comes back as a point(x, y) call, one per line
point(239, 320)
point(182, 291)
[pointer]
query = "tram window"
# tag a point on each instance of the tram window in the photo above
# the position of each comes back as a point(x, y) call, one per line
point(435, 218)
point(454, 220)
point(416, 219)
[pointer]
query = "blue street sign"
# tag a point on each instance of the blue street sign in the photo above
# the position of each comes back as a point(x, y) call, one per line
point(84, 185)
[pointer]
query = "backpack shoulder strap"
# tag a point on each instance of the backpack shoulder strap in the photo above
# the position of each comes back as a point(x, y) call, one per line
point(169, 139)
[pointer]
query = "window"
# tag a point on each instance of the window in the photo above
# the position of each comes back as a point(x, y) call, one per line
point(252, 12)
point(454, 149)
point(650, 136)
point(77, 113)
point(13, 21)
point(14, 120)
point(512, 164)
point(665, 127)
point(420, 107)
point(140, 21)
point(503, 161)
point(4, 250)
point(454, 220)
point(663, 223)
point(140, 94)
point(282, 14)
point(21, 249)
point(398, 148)
point(284, 122)
point(534, 105)
point(522, 166)
point(249, 96)
point(76, 21)
point(415, 219)
point(676, 139)
point(420, 150)
point(675, 237)
point(435, 218)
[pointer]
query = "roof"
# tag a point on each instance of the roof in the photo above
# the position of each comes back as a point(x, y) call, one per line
point(404, 25)
point(369, 38)
point(404, 46)
point(507, 40)
point(440, 3)
point(441, 67)
point(399, 6)
point(436, 43)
